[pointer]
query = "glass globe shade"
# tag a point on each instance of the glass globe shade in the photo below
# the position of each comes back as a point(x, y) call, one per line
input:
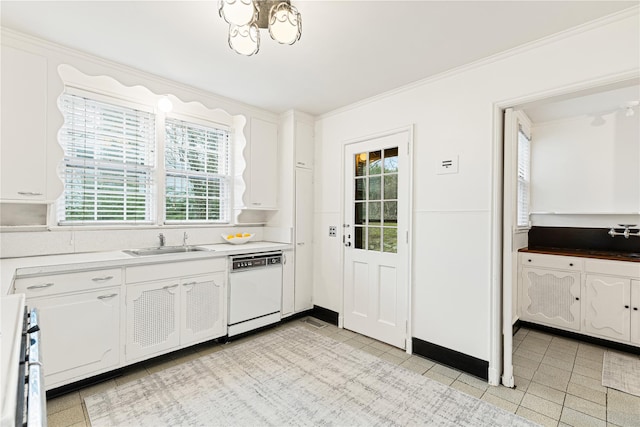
point(245, 39)
point(237, 12)
point(285, 23)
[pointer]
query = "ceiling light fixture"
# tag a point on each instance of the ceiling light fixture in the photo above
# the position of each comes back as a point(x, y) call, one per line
point(246, 17)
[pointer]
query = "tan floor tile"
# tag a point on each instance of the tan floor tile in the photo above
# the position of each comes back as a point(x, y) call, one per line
point(473, 381)
point(467, 389)
point(578, 419)
point(623, 409)
point(66, 417)
point(588, 363)
point(347, 333)
point(536, 357)
point(391, 358)
point(587, 393)
point(372, 350)
point(413, 367)
point(446, 371)
point(522, 384)
point(398, 352)
point(63, 402)
point(587, 351)
point(588, 372)
point(508, 394)
point(521, 334)
point(522, 372)
point(539, 335)
point(363, 339)
point(525, 362)
point(439, 377)
point(536, 417)
point(81, 424)
point(550, 380)
point(588, 382)
point(381, 346)
point(354, 343)
point(422, 361)
point(586, 407)
point(561, 355)
point(541, 406)
point(566, 365)
point(495, 400)
point(547, 393)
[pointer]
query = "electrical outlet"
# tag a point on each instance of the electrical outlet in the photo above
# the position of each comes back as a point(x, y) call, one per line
point(333, 231)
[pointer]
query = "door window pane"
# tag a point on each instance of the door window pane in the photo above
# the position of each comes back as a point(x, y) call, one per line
point(391, 213)
point(361, 188)
point(391, 160)
point(374, 238)
point(374, 188)
point(374, 213)
point(361, 213)
point(361, 163)
point(390, 187)
point(359, 238)
point(390, 240)
point(375, 162)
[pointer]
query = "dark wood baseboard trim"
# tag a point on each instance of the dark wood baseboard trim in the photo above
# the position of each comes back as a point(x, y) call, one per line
point(580, 337)
point(460, 361)
point(325, 315)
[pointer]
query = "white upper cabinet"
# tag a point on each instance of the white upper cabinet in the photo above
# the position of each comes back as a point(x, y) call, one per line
point(24, 124)
point(261, 175)
point(304, 144)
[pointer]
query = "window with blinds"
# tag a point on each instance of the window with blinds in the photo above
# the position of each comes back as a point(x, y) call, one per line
point(524, 167)
point(108, 162)
point(197, 172)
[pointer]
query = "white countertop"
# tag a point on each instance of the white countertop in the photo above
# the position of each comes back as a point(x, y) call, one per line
point(10, 268)
point(12, 307)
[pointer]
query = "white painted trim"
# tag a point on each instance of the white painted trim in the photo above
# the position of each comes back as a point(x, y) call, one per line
point(588, 26)
point(497, 325)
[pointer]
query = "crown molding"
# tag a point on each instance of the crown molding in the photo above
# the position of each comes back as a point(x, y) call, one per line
point(588, 26)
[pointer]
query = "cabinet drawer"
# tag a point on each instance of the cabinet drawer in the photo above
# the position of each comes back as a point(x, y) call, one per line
point(146, 273)
point(550, 261)
point(616, 268)
point(68, 282)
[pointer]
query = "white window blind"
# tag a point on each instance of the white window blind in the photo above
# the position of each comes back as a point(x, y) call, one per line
point(197, 172)
point(524, 167)
point(108, 162)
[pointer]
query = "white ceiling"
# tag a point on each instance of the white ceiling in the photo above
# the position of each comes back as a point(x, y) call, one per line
point(349, 51)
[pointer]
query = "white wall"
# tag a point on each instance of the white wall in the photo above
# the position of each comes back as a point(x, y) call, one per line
point(78, 239)
point(580, 168)
point(452, 217)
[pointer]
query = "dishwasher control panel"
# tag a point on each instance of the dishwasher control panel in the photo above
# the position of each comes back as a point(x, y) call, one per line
point(255, 261)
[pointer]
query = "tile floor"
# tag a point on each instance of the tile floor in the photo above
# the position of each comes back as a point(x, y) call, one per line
point(558, 380)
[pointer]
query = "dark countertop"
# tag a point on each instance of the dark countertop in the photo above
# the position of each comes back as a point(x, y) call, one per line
point(586, 253)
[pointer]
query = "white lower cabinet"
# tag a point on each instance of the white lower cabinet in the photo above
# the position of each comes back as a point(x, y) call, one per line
point(163, 315)
point(80, 334)
point(595, 297)
point(607, 307)
point(551, 297)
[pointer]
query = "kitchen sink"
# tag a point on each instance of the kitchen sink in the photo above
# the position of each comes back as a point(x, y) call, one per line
point(161, 250)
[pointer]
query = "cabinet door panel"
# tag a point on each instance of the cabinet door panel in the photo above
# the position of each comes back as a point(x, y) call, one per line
point(635, 312)
point(551, 297)
point(80, 334)
point(303, 239)
point(304, 145)
point(263, 163)
point(152, 318)
point(288, 283)
point(203, 314)
point(24, 124)
point(607, 310)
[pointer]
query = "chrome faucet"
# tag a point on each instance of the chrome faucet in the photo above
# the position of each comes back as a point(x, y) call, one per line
point(162, 240)
point(185, 236)
point(626, 233)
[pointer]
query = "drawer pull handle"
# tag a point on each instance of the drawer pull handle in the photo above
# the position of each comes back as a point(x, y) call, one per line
point(189, 284)
point(102, 279)
point(107, 296)
point(44, 285)
point(29, 193)
point(170, 286)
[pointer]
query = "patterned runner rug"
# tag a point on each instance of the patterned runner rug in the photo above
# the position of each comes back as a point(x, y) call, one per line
point(622, 372)
point(291, 377)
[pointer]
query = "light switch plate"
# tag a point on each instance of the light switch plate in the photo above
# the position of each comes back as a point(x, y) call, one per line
point(333, 231)
point(448, 164)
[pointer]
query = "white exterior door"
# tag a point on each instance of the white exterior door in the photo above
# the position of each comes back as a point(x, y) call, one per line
point(376, 226)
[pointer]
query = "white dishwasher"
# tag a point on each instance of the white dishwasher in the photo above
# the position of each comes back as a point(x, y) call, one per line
point(255, 291)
